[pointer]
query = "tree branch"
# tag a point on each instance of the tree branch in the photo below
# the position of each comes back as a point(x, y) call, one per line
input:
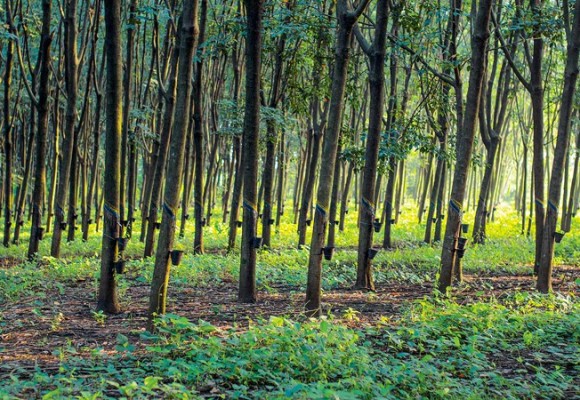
point(362, 41)
point(444, 77)
point(508, 55)
point(359, 9)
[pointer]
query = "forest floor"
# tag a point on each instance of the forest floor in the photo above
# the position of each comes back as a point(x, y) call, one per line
point(33, 328)
point(492, 337)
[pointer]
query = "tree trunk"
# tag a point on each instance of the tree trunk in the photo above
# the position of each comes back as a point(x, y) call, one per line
point(544, 283)
point(308, 188)
point(388, 209)
point(68, 144)
point(334, 204)
point(281, 177)
point(425, 186)
point(107, 299)
point(345, 197)
point(346, 21)
point(432, 216)
point(23, 189)
point(43, 96)
point(537, 95)
point(465, 142)
point(567, 222)
point(188, 33)
point(271, 141)
point(128, 135)
point(161, 160)
point(198, 139)
point(8, 165)
point(54, 161)
point(247, 283)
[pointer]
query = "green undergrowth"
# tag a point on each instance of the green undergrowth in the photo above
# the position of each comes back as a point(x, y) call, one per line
point(525, 347)
point(412, 262)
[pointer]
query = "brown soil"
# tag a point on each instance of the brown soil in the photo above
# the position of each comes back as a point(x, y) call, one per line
point(32, 330)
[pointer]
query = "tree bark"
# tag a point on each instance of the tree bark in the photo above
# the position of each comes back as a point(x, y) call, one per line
point(108, 298)
point(198, 139)
point(346, 20)
point(544, 283)
point(41, 137)
point(8, 165)
point(465, 142)
point(188, 34)
point(247, 283)
point(68, 144)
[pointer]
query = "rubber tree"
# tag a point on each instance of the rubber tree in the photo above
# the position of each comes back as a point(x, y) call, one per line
point(544, 283)
point(271, 137)
point(163, 150)
point(26, 155)
point(187, 38)
point(465, 137)
point(375, 52)
point(8, 131)
point(393, 138)
point(237, 153)
point(71, 62)
point(129, 147)
point(198, 138)
point(251, 133)
point(572, 201)
point(490, 129)
point(316, 126)
point(166, 95)
point(108, 297)
point(534, 86)
point(97, 82)
point(346, 18)
point(41, 136)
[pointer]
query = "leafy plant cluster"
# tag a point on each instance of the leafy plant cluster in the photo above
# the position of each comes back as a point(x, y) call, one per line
point(524, 348)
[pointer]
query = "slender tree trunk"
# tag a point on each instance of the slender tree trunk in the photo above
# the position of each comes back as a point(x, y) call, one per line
point(95, 157)
point(41, 137)
point(346, 21)
point(435, 191)
point(544, 283)
point(55, 160)
point(8, 165)
point(484, 194)
point(400, 189)
point(108, 299)
point(465, 142)
point(440, 200)
point(236, 193)
point(567, 222)
point(524, 186)
point(189, 172)
point(345, 197)
point(334, 204)
point(537, 95)
point(281, 177)
point(129, 135)
point(426, 182)
point(68, 144)
point(23, 189)
point(161, 161)
point(198, 139)
point(271, 142)
point(268, 183)
point(187, 37)
point(308, 187)
point(247, 284)
point(388, 210)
